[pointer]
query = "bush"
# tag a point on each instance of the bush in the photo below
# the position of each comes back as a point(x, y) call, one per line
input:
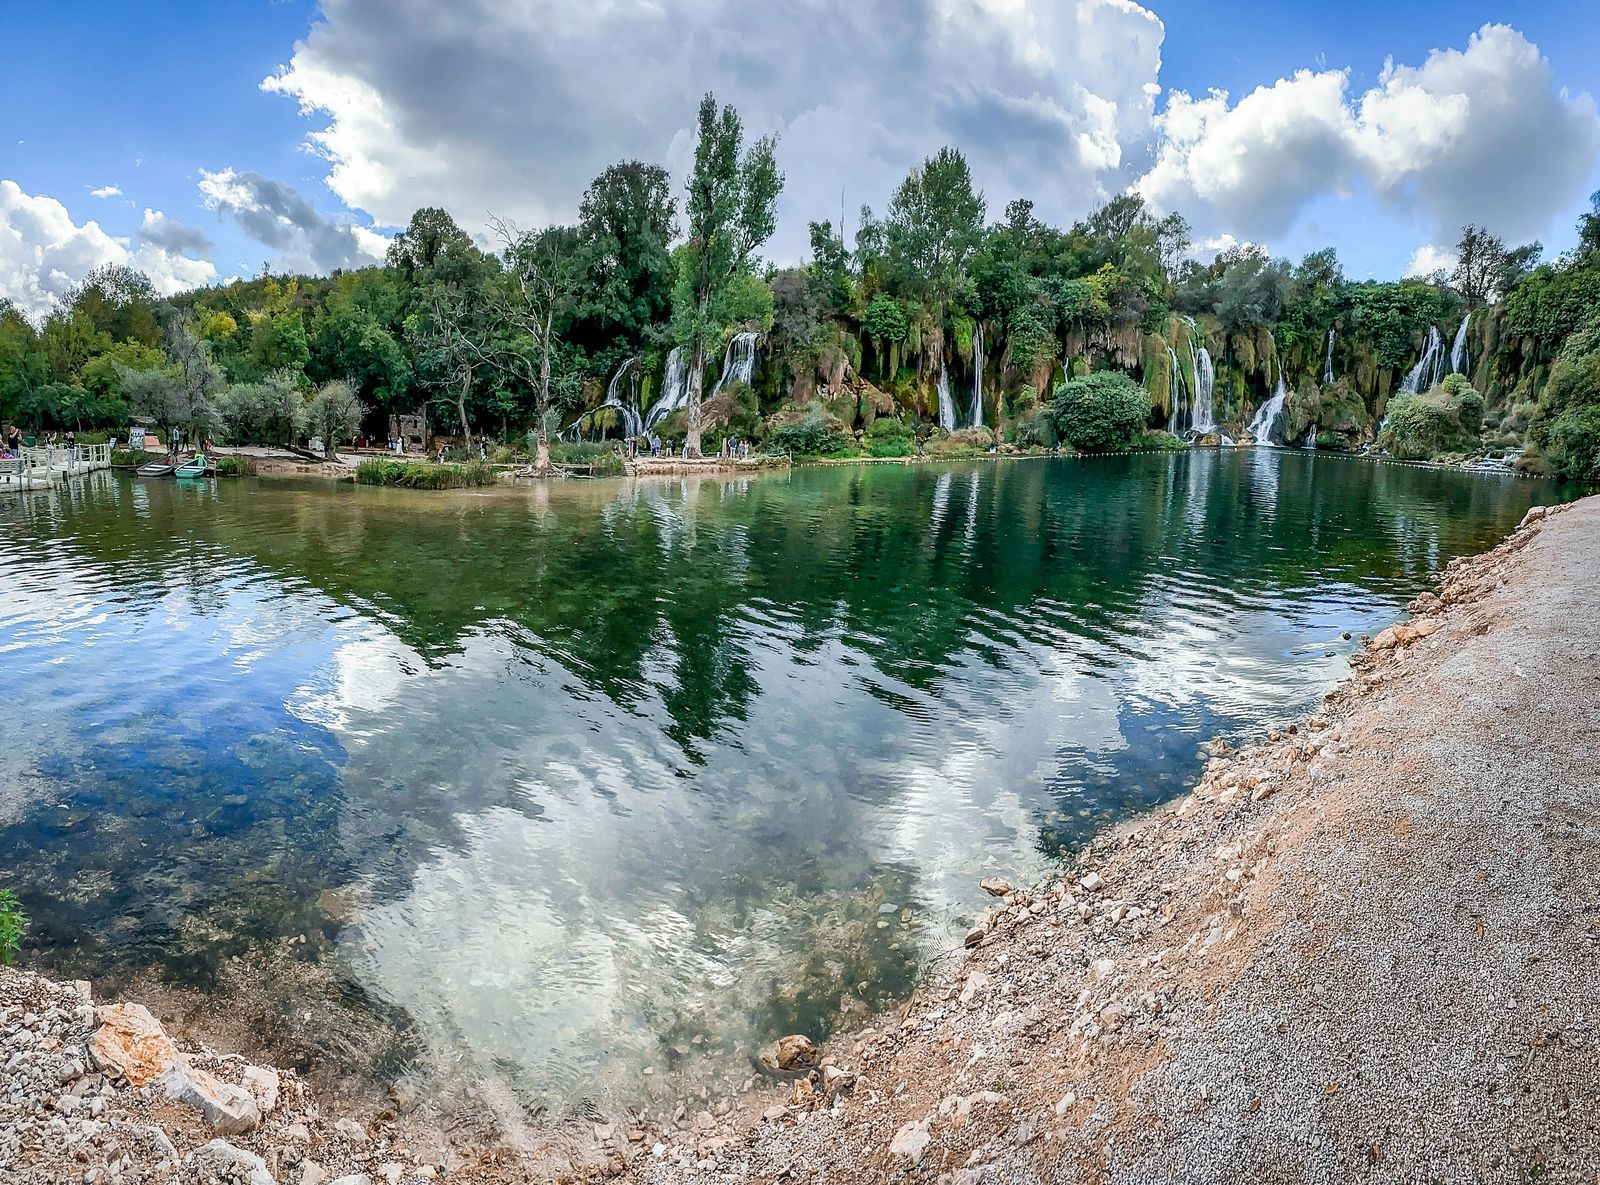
point(13, 925)
point(235, 467)
point(810, 437)
point(421, 475)
point(1037, 431)
point(600, 457)
point(1102, 412)
point(888, 437)
point(1574, 449)
point(968, 442)
point(1444, 421)
point(131, 457)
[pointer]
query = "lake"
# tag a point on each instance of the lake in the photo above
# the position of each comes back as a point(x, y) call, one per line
point(579, 790)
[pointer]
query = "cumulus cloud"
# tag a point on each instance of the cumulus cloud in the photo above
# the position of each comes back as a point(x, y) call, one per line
point(43, 253)
point(106, 191)
point(1482, 134)
point(169, 235)
point(1428, 259)
point(277, 216)
point(510, 108)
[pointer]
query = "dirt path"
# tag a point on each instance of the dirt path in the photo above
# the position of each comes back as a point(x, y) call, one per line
point(1367, 951)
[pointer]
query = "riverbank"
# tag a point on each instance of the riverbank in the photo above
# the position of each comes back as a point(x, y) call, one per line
point(1363, 950)
point(1261, 880)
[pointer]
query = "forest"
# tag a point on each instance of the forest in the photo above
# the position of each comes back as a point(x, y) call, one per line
point(937, 328)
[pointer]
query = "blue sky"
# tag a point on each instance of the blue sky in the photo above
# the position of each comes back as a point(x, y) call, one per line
point(506, 108)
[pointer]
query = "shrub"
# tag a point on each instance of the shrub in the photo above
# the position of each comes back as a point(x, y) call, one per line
point(598, 456)
point(131, 456)
point(13, 925)
point(968, 442)
point(888, 437)
point(1102, 412)
point(235, 467)
point(420, 475)
point(1420, 427)
point(1037, 431)
point(810, 437)
point(1574, 449)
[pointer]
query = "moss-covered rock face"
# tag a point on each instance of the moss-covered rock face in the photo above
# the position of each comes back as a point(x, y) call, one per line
point(1338, 413)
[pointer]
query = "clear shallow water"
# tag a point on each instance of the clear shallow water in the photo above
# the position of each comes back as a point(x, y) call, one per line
point(585, 780)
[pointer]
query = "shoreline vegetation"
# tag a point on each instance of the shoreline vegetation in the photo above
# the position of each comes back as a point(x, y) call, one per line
point(1322, 956)
point(944, 328)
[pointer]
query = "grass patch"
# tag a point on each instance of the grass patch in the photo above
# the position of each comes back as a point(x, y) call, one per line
point(423, 475)
point(13, 925)
point(236, 467)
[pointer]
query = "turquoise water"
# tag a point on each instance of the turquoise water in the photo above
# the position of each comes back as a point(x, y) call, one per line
point(555, 786)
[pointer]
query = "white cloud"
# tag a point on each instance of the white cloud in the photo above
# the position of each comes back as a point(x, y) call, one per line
point(276, 216)
point(43, 253)
point(106, 191)
point(1427, 259)
point(1481, 134)
point(511, 108)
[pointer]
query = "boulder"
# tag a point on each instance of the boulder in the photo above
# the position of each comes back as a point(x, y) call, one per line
point(995, 886)
point(131, 1043)
point(910, 1142)
point(230, 1110)
point(796, 1052)
point(220, 1163)
point(262, 1083)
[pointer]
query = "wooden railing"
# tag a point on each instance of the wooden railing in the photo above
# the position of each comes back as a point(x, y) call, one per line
point(44, 464)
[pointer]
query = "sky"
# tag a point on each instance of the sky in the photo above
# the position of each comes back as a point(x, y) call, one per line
point(200, 142)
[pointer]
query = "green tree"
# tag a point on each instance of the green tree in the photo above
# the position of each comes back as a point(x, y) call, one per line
point(731, 208)
point(626, 223)
point(335, 413)
point(934, 224)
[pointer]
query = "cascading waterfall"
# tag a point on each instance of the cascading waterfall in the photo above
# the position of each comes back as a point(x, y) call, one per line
point(1174, 390)
point(1458, 351)
point(739, 362)
point(1266, 419)
point(1311, 441)
point(1327, 362)
point(947, 407)
point(1425, 375)
point(975, 409)
point(674, 390)
point(1202, 407)
point(632, 425)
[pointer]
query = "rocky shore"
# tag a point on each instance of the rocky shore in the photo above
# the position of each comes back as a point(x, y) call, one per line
point(1362, 950)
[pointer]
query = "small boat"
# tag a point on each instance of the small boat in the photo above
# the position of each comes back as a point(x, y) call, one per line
point(195, 466)
point(156, 469)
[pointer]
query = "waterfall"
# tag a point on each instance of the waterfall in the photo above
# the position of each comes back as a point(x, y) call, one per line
point(1327, 363)
point(632, 425)
point(1458, 352)
point(1202, 408)
point(1311, 441)
point(947, 407)
point(1429, 369)
point(1271, 412)
point(1174, 391)
point(975, 411)
point(674, 390)
point(739, 363)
